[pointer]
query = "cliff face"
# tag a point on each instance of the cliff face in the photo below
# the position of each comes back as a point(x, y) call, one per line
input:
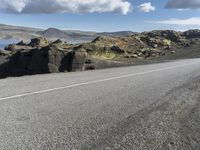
point(41, 56)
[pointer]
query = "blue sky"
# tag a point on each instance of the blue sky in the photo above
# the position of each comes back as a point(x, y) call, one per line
point(107, 20)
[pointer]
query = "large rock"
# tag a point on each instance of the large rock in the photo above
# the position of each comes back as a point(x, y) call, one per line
point(168, 34)
point(41, 60)
point(16, 47)
point(171, 35)
point(4, 53)
point(41, 41)
point(192, 34)
point(21, 43)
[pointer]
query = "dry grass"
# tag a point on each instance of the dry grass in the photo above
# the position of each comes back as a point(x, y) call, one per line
point(103, 55)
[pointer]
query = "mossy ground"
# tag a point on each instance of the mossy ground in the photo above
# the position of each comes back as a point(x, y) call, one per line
point(103, 55)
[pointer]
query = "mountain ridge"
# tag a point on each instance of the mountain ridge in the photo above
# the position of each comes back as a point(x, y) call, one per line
point(72, 36)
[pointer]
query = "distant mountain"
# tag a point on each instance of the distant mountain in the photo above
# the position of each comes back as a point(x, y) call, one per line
point(72, 36)
point(54, 33)
point(69, 36)
point(12, 28)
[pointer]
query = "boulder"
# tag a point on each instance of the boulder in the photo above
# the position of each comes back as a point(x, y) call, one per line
point(150, 52)
point(15, 47)
point(78, 60)
point(173, 52)
point(117, 49)
point(171, 35)
point(41, 41)
point(89, 64)
point(21, 43)
point(167, 34)
point(10, 47)
point(134, 56)
point(4, 53)
point(58, 41)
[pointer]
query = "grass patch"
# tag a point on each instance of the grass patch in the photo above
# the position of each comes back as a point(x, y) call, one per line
point(103, 55)
point(166, 42)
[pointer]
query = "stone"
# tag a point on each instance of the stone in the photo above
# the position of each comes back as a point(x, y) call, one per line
point(21, 43)
point(41, 41)
point(173, 52)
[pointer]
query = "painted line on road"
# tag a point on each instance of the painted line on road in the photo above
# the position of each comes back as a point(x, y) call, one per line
point(96, 81)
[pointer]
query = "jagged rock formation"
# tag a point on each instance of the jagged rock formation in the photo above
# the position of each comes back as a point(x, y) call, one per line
point(192, 34)
point(40, 56)
point(3, 53)
point(115, 47)
point(145, 45)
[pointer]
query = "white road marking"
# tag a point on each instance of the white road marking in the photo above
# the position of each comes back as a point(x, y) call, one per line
point(97, 81)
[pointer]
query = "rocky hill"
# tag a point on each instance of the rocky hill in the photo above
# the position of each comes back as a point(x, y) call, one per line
point(144, 45)
point(43, 56)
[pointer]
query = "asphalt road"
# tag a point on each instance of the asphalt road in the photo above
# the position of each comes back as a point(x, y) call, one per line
point(153, 106)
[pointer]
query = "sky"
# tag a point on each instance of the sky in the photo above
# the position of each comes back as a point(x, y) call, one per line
point(102, 15)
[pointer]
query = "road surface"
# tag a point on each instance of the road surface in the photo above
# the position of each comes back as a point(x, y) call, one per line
point(154, 106)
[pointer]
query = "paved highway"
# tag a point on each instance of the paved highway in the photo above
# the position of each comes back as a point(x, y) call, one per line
point(154, 106)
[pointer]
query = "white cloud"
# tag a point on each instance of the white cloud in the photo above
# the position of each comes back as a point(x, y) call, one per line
point(183, 4)
point(146, 7)
point(182, 22)
point(61, 6)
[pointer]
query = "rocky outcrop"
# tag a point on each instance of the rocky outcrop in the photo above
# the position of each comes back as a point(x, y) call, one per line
point(41, 58)
point(111, 48)
point(192, 34)
point(38, 42)
point(4, 53)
